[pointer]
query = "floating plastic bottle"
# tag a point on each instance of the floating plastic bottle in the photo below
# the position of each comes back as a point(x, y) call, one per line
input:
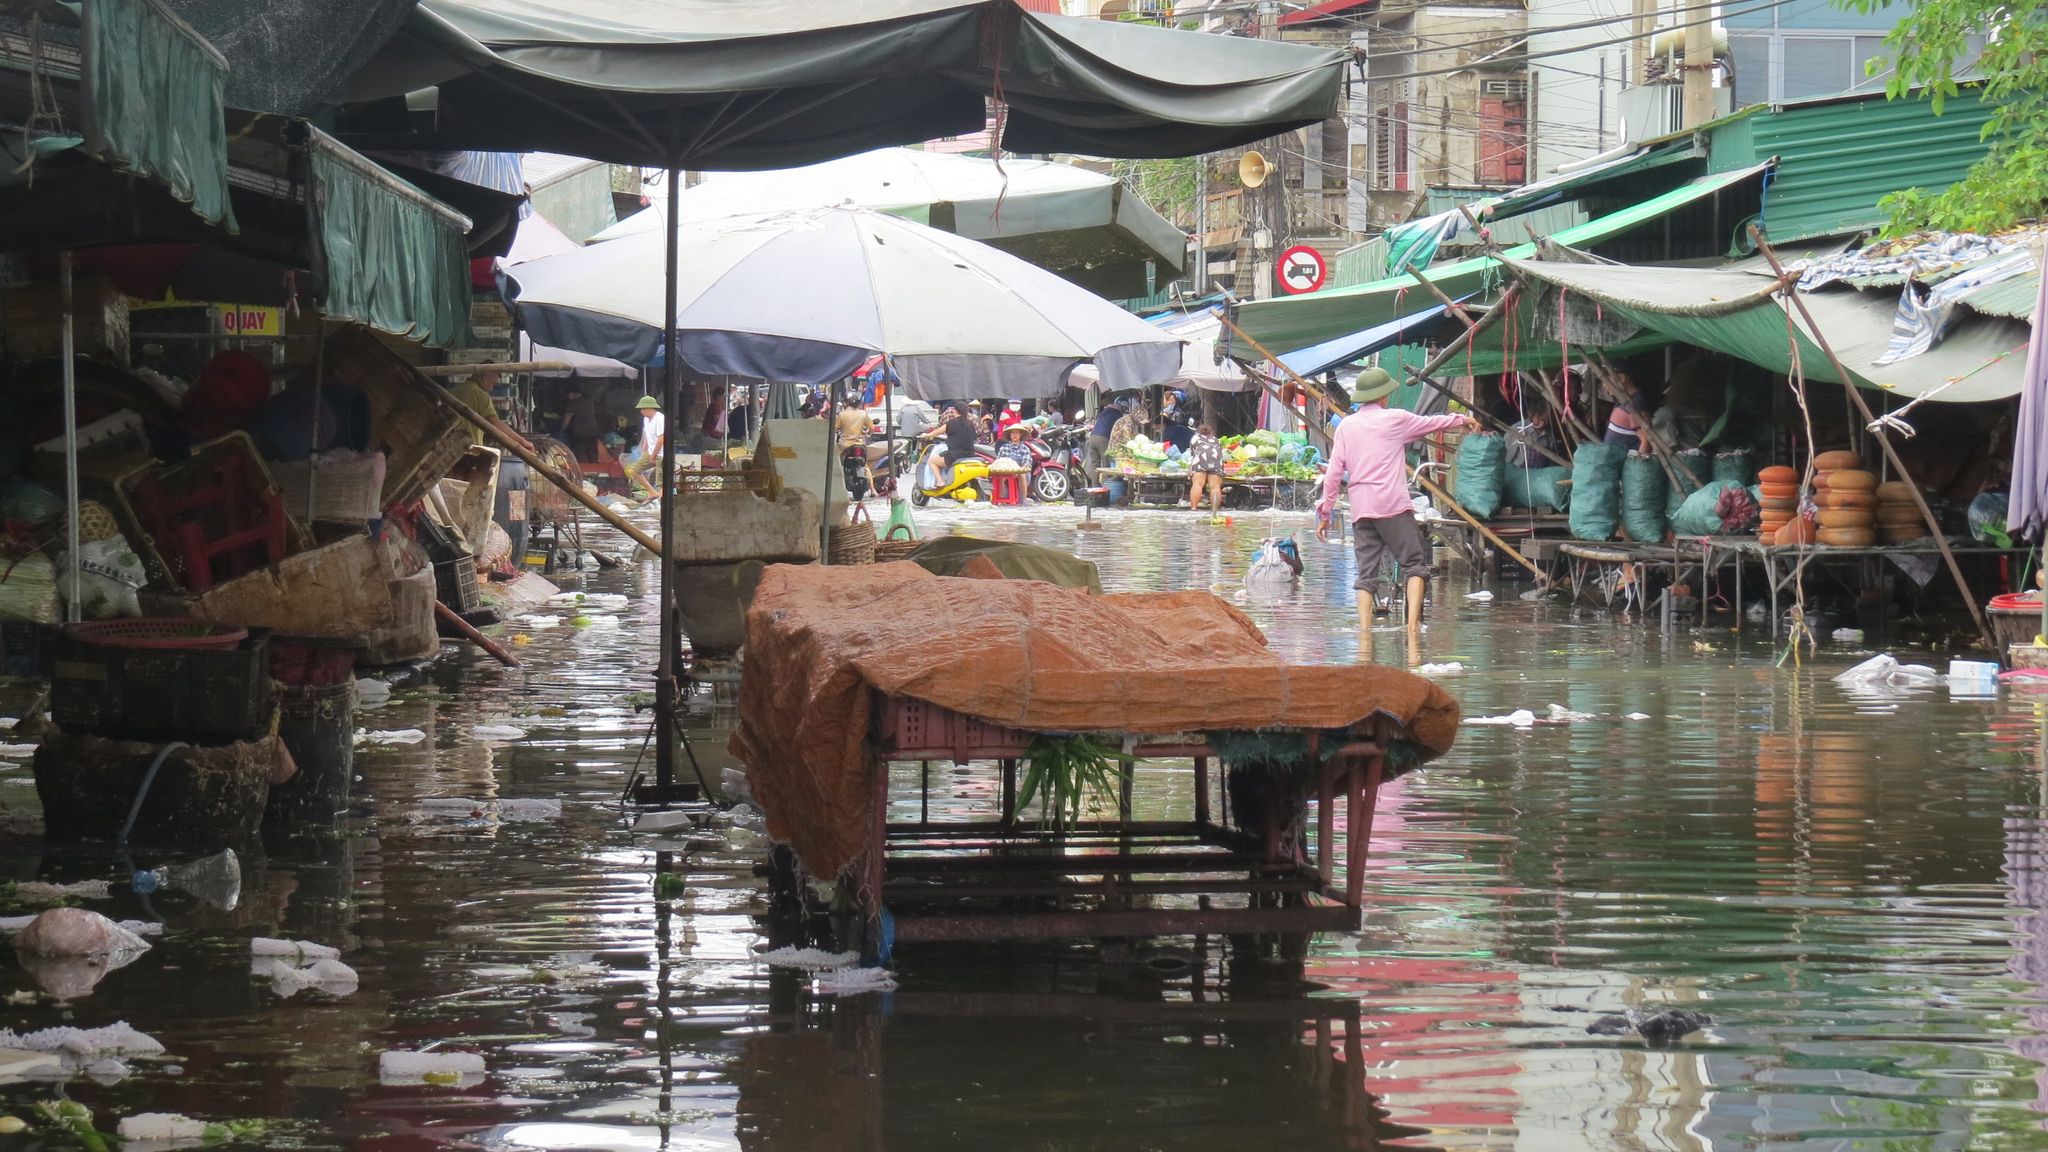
point(216, 879)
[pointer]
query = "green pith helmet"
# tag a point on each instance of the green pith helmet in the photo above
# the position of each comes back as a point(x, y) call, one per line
point(648, 402)
point(1372, 384)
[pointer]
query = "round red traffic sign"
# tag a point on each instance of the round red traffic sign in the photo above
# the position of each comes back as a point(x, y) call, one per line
point(1301, 270)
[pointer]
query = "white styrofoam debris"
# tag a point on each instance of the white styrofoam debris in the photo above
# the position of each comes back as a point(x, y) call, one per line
point(112, 1039)
point(1637, 716)
point(537, 620)
point(809, 959)
point(526, 809)
point(490, 732)
point(163, 1127)
point(429, 1067)
point(1559, 714)
point(853, 981)
point(1519, 718)
point(330, 978)
point(396, 736)
point(1482, 595)
point(1449, 668)
point(372, 691)
point(297, 951)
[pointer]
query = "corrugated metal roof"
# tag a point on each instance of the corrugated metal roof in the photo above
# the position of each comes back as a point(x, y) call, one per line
point(1838, 157)
point(2012, 298)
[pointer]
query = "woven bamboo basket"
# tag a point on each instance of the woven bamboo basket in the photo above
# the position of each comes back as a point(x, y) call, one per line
point(896, 547)
point(854, 541)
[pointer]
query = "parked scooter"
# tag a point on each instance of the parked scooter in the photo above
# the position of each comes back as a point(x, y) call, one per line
point(965, 480)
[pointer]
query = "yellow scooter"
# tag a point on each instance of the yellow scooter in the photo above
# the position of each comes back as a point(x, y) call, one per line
point(965, 480)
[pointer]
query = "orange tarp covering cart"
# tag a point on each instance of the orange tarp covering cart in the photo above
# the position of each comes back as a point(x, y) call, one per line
point(823, 645)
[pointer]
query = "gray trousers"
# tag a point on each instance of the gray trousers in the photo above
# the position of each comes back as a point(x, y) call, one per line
point(1092, 455)
point(1373, 538)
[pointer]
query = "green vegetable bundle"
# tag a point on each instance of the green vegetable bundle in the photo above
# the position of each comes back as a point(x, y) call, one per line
point(1067, 769)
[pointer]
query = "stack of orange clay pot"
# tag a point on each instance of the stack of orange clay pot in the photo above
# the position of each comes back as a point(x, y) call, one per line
point(1847, 498)
point(1779, 487)
point(1898, 517)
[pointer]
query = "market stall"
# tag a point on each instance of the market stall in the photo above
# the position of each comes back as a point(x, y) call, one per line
point(855, 670)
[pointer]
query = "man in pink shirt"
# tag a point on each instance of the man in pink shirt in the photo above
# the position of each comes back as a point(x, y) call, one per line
point(1369, 456)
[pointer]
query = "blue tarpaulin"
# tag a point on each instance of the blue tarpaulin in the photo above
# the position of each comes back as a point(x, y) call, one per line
point(1317, 358)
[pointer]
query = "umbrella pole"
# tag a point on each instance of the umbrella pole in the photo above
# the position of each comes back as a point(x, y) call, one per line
point(831, 462)
point(889, 434)
point(665, 668)
point(71, 584)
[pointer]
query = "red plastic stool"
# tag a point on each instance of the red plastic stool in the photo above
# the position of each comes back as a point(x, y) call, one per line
point(1006, 487)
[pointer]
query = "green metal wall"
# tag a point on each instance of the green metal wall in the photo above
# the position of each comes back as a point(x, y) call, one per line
point(1837, 157)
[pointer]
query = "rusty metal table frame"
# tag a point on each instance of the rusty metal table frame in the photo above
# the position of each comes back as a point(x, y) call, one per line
point(1784, 564)
point(922, 864)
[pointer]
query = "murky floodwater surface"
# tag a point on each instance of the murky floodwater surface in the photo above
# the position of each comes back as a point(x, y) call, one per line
point(1853, 888)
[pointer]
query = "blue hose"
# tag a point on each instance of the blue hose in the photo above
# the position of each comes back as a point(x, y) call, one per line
point(142, 793)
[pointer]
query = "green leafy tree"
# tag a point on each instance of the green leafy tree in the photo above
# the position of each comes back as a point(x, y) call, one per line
point(1169, 186)
point(2010, 184)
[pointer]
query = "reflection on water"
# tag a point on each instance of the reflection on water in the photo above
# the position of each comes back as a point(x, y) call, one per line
point(1852, 888)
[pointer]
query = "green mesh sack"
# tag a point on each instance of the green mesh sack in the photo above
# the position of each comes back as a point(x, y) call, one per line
point(1694, 468)
point(1734, 466)
point(1596, 490)
point(1543, 489)
point(1643, 489)
point(1700, 514)
point(1482, 459)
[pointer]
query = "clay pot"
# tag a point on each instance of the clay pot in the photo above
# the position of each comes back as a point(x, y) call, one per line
point(1846, 518)
point(1851, 480)
point(1834, 461)
point(1846, 537)
point(1799, 531)
point(1777, 474)
point(1833, 499)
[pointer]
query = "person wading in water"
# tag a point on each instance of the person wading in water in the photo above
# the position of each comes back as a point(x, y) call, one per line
point(1369, 456)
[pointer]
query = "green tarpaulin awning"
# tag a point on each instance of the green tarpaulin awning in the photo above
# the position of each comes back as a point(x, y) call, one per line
point(1740, 315)
point(1284, 325)
point(753, 84)
point(393, 257)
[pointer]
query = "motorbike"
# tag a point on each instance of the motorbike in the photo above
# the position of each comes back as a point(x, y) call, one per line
point(968, 481)
point(1056, 471)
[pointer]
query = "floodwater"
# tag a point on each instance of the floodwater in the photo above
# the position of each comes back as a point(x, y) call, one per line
point(1853, 888)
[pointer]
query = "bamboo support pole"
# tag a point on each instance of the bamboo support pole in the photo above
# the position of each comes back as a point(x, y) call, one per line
point(512, 442)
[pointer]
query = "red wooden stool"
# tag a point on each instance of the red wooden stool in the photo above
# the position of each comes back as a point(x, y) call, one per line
point(1006, 487)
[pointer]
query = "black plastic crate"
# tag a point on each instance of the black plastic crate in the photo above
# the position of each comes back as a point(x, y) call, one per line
point(455, 584)
point(26, 648)
point(201, 696)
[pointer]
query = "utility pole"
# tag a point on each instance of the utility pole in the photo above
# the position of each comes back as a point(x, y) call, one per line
point(1198, 275)
point(1699, 72)
point(1639, 43)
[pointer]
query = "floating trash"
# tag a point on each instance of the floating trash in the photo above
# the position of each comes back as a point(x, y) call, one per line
point(444, 1068)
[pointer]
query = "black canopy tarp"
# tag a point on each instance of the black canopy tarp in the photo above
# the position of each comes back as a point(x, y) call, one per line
point(747, 84)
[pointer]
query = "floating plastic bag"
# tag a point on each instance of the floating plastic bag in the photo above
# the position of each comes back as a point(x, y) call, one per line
point(1886, 672)
point(1482, 458)
point(109, 576)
